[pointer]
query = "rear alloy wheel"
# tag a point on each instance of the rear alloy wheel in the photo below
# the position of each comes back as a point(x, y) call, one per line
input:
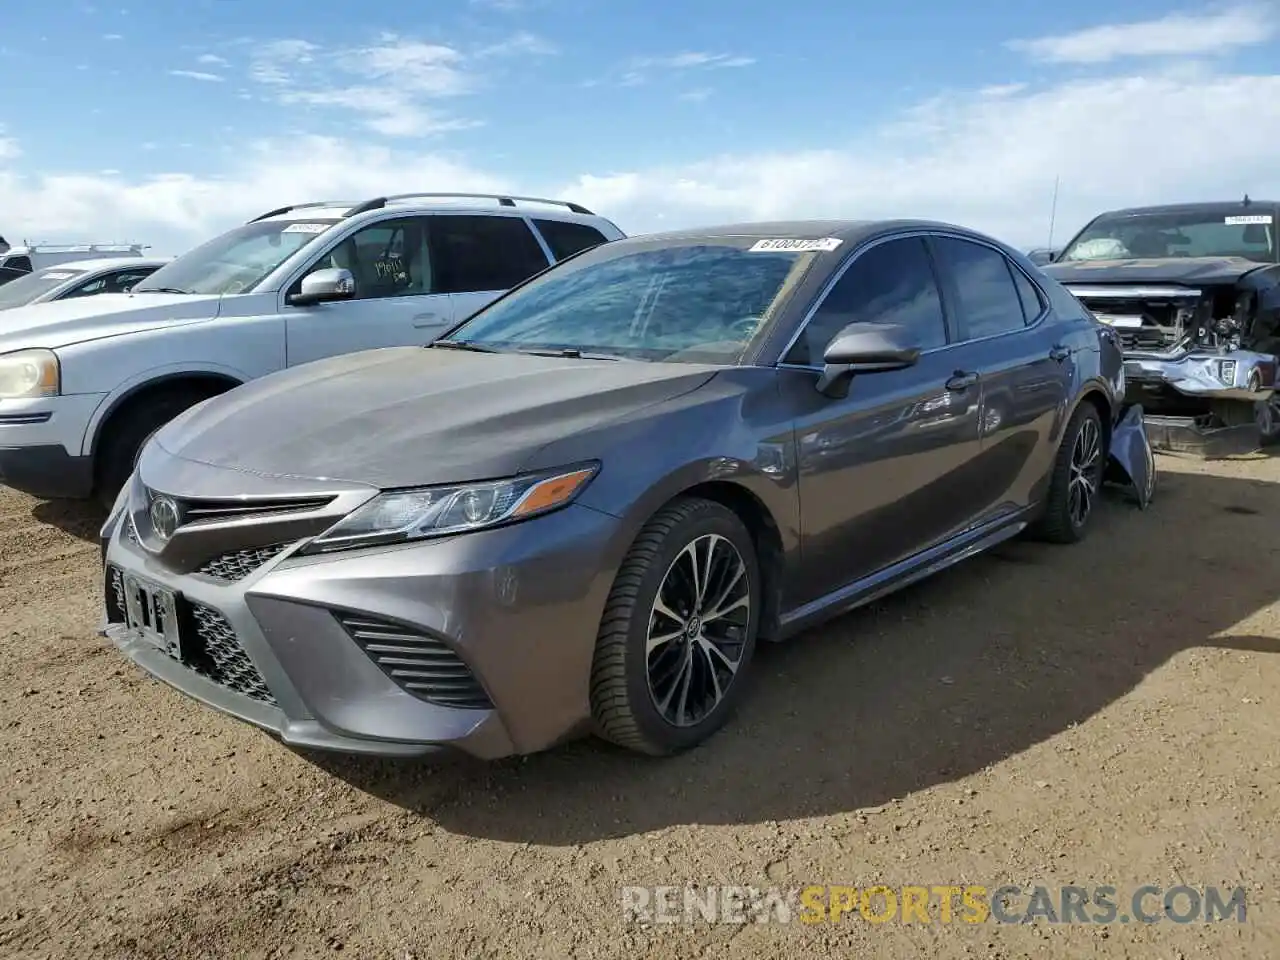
point(1076, 478)
point(1267, 413)
point(679, 630)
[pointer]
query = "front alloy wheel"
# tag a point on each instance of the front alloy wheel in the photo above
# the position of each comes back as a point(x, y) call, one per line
point(1075, 479)
point(678, 631)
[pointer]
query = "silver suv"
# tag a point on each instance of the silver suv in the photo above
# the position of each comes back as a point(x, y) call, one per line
point(85, 382)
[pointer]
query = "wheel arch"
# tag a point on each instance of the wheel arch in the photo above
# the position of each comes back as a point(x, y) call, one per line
point(214, 380)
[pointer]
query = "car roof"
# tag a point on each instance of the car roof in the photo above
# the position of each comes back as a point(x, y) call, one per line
point(106, 263)
point(1206, 206)
point(849, 231)
point(471, 203)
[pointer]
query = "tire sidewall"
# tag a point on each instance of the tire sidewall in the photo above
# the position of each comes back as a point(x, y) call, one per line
point(653, 727)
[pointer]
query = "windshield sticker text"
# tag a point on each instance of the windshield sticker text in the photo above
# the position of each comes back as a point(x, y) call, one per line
point(784, 245)
point(1252, 218)
point(312, 228)
point(57, 276)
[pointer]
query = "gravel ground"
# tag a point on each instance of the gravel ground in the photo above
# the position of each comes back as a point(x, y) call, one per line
point(1098, 714)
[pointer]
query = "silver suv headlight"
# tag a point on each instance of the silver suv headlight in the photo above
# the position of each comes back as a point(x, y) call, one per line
point(401, 516)
point(29, 373)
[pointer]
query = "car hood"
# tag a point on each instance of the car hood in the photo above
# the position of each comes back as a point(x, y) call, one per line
point(1186, 270)
point(59, 323)
point(410, 416)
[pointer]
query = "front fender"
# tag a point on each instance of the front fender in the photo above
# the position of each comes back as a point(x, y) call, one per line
point(1130, 460)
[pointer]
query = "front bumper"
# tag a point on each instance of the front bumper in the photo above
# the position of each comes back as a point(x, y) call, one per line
point(1201, 437)
point(40, 446)
point(308, 649)
point(1227, 375)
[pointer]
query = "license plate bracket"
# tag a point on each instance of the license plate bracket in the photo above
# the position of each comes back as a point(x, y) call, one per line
point(152, 612)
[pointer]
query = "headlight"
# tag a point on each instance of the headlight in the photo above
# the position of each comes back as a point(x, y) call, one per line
point(405, 515)
point(29, 373)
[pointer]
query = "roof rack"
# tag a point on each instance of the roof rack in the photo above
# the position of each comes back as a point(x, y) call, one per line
point(37, 247)
point(504, 200)
point(300, 206)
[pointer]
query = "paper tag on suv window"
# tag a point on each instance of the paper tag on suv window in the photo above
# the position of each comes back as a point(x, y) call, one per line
point(61, 275)
point(785, 245)
point(1252, 218)
point(306, 228)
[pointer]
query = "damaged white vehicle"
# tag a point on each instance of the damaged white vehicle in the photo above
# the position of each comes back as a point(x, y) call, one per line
point(1193, 291)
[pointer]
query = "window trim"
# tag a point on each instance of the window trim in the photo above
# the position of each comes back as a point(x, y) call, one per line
point(838, 274)
point(546, 244)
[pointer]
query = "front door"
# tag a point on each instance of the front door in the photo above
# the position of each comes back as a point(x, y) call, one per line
point(397, 303)
point(887, 471)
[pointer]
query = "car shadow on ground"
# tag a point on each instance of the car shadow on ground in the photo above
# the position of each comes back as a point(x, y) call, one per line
point(81, 519)
point(928, 686)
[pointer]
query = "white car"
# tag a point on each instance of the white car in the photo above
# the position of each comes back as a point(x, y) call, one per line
point(18, 261)
point(84, 383)
point(81, 278)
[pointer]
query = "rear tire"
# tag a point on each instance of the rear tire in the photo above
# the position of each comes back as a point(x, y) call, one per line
point(1267, 413)
point(672, 650)
point(1076, 479)
point(118, 455)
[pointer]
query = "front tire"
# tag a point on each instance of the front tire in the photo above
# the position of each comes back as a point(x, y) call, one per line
point(125, 438)
point(679, 630)
point(1076, 479)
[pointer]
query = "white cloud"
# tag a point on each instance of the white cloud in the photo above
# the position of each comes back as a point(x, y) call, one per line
point(196, 75)
point(524, 42)
point(986, 158)
point(112, 36)
point(638, 70)
point(696, 96)
point(212, 59)
point(1172, 35)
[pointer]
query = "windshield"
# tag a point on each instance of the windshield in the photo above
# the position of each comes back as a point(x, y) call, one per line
point(699, 301)
point(238, 260)
point(31, 285)
point(1221, 233)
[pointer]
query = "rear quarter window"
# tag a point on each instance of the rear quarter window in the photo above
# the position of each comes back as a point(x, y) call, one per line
point(565, 239)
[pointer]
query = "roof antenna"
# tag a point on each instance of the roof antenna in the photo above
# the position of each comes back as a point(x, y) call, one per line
point(1246, 201)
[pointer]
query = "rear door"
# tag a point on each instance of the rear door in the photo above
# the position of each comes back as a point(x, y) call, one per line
point(1027, 367)
point(398, 301)
point(479, 257)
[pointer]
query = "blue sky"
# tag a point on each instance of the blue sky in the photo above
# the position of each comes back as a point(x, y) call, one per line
point(174, 119)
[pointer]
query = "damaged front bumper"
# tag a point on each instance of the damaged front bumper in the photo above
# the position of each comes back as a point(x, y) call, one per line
point(1131, 460)
point(1209, 374)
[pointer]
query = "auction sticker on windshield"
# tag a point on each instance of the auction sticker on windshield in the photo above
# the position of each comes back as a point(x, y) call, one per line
point(57, 276)
point(1251, 218)
point(784, 245)
point(306, 228)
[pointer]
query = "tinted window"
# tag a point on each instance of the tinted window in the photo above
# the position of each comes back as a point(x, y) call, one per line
point(25, 287)
point(988, 297)
point(565, 239)
point(890, 283)
point(474, 254)
point(1032, 302)
point(124, 281)
point(20, 264)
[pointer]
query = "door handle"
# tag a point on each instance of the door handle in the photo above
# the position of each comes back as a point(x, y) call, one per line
point(427, 320)
point(1059, 352)
point(962, 380)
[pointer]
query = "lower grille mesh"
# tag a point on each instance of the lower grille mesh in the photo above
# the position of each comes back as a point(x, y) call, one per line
point(224, 661)
point(417, 663)
point(238, 564)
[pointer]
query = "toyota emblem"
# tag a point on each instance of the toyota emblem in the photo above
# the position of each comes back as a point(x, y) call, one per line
point(164, 517)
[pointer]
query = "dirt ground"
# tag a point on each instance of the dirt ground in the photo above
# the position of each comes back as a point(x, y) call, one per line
point(1100, 714)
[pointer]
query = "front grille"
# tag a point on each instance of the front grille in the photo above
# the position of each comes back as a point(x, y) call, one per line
point(419, 664)
point(238, 564)
point(194, 511)
point(1144, 338)
point(224, 660)
point(209, 642)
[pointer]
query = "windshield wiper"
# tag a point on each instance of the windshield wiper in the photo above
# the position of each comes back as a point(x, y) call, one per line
point(462, 345)
point(159, 290)
point(571, 353)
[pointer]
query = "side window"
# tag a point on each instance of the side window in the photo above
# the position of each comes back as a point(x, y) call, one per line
point(988, 297)
point(565, 239)
point(1032, 302)
point(890, 283)
point(21, 264)
point(478, 254)
point(387, 259)
point(123, 281)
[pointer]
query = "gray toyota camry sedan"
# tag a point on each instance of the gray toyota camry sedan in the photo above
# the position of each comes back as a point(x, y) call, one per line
point(582, 508)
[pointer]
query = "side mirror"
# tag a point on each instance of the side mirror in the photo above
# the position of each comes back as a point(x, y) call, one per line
point(325, 286)
point(864, 348)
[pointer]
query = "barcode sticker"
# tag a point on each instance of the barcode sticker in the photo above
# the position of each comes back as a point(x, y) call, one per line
point(1252, 218)
point(784, 245)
